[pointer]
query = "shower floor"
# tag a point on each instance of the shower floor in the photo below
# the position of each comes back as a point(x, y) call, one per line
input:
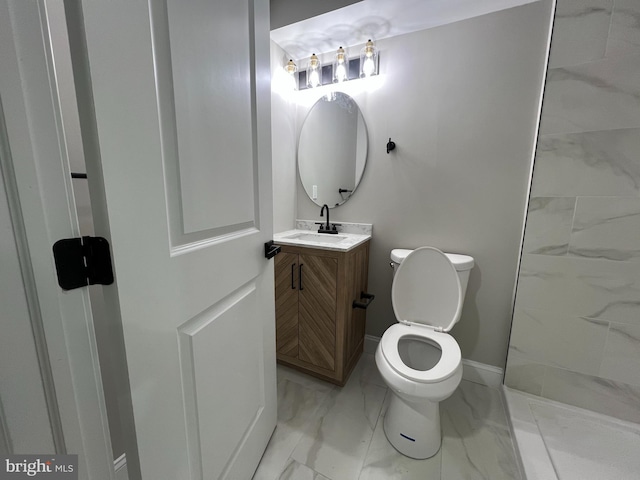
point(557, 441)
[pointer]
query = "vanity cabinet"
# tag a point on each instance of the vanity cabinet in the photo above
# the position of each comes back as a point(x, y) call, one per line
point(318, 328)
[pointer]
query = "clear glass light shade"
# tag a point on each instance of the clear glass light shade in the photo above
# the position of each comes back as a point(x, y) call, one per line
point(368, 60)
point(291, 79)
point(291, 67)
point(340, 67)
point(314, 72)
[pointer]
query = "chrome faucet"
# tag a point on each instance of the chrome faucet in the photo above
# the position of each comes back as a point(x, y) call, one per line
point(326, 228)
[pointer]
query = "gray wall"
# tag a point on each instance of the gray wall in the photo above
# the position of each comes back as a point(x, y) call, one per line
point(576, 327)
point(286, 12)
point(283, 143)
point(460, 101)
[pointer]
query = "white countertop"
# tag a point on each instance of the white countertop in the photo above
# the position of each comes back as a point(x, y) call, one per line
point(342, 242)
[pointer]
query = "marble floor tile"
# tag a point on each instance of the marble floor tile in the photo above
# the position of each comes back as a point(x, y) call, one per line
point(331, 433)
point(336, 442)
point(476, 441)
point(297, 406)
point(303, 379)
point(297, 471)
point(533, 454)
point(558, 441)
point(383, 462)
point(369, 370)
point(585, 447)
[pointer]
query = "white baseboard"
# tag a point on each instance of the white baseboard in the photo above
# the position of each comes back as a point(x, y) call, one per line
point(120, 465)
point(482, 373)
point(472, 371)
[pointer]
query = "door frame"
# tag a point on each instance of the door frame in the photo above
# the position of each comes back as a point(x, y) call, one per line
point(43, 211)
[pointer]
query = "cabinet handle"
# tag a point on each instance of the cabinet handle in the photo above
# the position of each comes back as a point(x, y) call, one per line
point(367, 297)
point(300, 277)
point(293, 285)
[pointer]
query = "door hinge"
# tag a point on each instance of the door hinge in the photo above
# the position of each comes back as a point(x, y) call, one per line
point(82, 261)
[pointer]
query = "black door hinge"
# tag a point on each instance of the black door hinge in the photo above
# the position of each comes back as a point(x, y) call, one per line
point(82, 261)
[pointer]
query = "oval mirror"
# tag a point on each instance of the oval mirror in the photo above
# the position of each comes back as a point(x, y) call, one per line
point(332, 151)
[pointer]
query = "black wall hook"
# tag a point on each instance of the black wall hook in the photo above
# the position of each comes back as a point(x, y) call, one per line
point(390, 145)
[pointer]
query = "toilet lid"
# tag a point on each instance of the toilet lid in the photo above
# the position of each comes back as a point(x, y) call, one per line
point(426, 290)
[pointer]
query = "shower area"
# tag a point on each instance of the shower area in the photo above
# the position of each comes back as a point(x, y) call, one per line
point(573, 368)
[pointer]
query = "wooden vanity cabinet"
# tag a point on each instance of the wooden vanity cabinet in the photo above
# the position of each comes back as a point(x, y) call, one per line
point(318, 330)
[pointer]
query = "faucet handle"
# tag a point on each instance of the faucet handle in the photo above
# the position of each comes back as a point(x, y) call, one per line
point(335, 225)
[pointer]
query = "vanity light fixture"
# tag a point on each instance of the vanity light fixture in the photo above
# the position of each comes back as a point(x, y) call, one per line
point(314, 72)
point(340, 70)
point(340, 67)
point(368, 60)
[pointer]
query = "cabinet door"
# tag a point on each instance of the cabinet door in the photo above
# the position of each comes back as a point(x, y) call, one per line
point(317, 310)
point(286, 279)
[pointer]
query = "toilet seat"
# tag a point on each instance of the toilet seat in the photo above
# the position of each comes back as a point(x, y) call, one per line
point(448, 364)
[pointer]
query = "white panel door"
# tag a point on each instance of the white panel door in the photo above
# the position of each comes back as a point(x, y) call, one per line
point(179, 135)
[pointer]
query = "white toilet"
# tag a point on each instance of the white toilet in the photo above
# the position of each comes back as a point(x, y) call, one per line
point(420, 362)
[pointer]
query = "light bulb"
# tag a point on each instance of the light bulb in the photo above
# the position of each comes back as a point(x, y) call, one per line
point(369, 67)
point(341, 67)
point(314, 78)
point(368, 60)
point(314, 72)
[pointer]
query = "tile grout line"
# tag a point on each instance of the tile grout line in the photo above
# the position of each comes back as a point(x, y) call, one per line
point(324, 397)
point(511, 431)
point(364, 459)
point(604, 349)
point(606, 43)
point(544, 441)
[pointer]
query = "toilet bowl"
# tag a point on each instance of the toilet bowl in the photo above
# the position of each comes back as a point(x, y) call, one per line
point(420, 362)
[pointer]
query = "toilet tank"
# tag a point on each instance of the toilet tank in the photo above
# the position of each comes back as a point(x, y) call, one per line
point(462, 263)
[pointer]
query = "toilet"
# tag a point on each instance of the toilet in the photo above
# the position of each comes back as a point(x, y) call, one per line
point(417, 358)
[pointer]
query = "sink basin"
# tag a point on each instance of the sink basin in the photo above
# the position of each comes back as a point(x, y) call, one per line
point(341, 242)
point(317, 237)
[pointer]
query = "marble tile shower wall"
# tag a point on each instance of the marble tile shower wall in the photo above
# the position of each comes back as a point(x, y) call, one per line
point(576, 326)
